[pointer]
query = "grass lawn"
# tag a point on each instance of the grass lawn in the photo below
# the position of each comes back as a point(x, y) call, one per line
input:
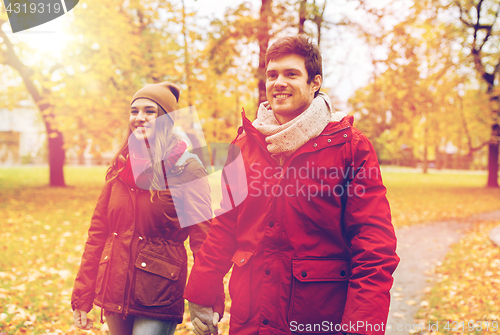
point(417, 198)
point(43, 231)
point(41, 241)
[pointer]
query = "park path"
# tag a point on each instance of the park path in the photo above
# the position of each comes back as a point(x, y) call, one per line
point(421, 248)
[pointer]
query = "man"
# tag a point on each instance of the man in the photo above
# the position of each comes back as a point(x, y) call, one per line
point(312, 245)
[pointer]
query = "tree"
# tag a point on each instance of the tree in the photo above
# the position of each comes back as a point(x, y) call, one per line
point(83, 93)
point(411, 107)
point(41, 97)
point(102, 73)
point(480, 34)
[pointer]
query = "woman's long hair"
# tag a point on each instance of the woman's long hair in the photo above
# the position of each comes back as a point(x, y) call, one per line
point(164, 140)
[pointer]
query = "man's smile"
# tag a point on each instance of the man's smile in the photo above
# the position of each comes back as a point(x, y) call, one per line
point(282, 96)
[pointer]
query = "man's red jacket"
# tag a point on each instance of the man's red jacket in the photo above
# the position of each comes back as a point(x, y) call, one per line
point(312, 244)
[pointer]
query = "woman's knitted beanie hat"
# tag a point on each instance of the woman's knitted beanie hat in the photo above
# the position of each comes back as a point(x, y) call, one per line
point(165, 94)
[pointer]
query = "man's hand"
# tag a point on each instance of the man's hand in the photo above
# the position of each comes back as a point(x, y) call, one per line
point(203, 319)
point(81, 320)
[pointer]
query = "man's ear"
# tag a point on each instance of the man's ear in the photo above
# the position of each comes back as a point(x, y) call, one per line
point(316, 83)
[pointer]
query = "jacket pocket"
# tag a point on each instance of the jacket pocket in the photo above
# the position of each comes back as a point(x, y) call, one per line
point(239, 286)
point(103, 264)
point(159, 280)
point(318, 297)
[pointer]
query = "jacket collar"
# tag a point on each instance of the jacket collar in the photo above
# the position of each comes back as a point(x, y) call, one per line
point(334, 133)
point(252, 131)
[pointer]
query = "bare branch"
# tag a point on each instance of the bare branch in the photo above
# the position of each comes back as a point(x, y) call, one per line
point(488, 34)
point(55, 67)
point(478, 9)
point(480, 146)
point(11, 59)
point(497, 67)
point(462, 12)
point(443, 71)
point(470, 25)
point(466, 128)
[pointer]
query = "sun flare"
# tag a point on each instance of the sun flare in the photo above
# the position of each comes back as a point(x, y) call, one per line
point(49, 37)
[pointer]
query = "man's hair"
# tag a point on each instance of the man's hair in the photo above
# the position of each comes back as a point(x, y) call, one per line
point(298, 45)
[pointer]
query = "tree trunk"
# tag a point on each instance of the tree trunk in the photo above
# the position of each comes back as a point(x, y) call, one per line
point(302, 16)
point(319, 19)
point(265, 12)
point(56, 159)
point(439, 157)
point(426, 162)
point(493, 157)
point(186, 55)
point(55, 141)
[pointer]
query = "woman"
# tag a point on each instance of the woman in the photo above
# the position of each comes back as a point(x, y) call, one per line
point(134, 265)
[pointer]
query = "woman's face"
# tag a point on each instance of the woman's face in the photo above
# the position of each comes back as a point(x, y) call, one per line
point(143, 112)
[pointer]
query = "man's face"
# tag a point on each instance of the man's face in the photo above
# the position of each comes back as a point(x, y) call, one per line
point(287, 89)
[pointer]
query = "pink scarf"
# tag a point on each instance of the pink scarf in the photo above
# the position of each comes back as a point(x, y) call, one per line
point(127, 175)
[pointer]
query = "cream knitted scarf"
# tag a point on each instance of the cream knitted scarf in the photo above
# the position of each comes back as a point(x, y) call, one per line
point(287, 138)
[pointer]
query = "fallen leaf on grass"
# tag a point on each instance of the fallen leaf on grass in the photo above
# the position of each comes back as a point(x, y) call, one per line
point(467, 289)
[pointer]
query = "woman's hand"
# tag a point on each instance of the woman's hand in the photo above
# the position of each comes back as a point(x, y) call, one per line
point(203, 318)
point(81, 320)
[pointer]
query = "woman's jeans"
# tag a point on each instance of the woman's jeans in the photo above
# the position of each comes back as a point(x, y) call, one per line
point(137, 325)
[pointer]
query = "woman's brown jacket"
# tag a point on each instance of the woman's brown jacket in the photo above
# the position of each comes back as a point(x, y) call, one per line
point(134, 260)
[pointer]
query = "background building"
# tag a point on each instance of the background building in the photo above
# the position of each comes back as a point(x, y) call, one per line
point(22, 135)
